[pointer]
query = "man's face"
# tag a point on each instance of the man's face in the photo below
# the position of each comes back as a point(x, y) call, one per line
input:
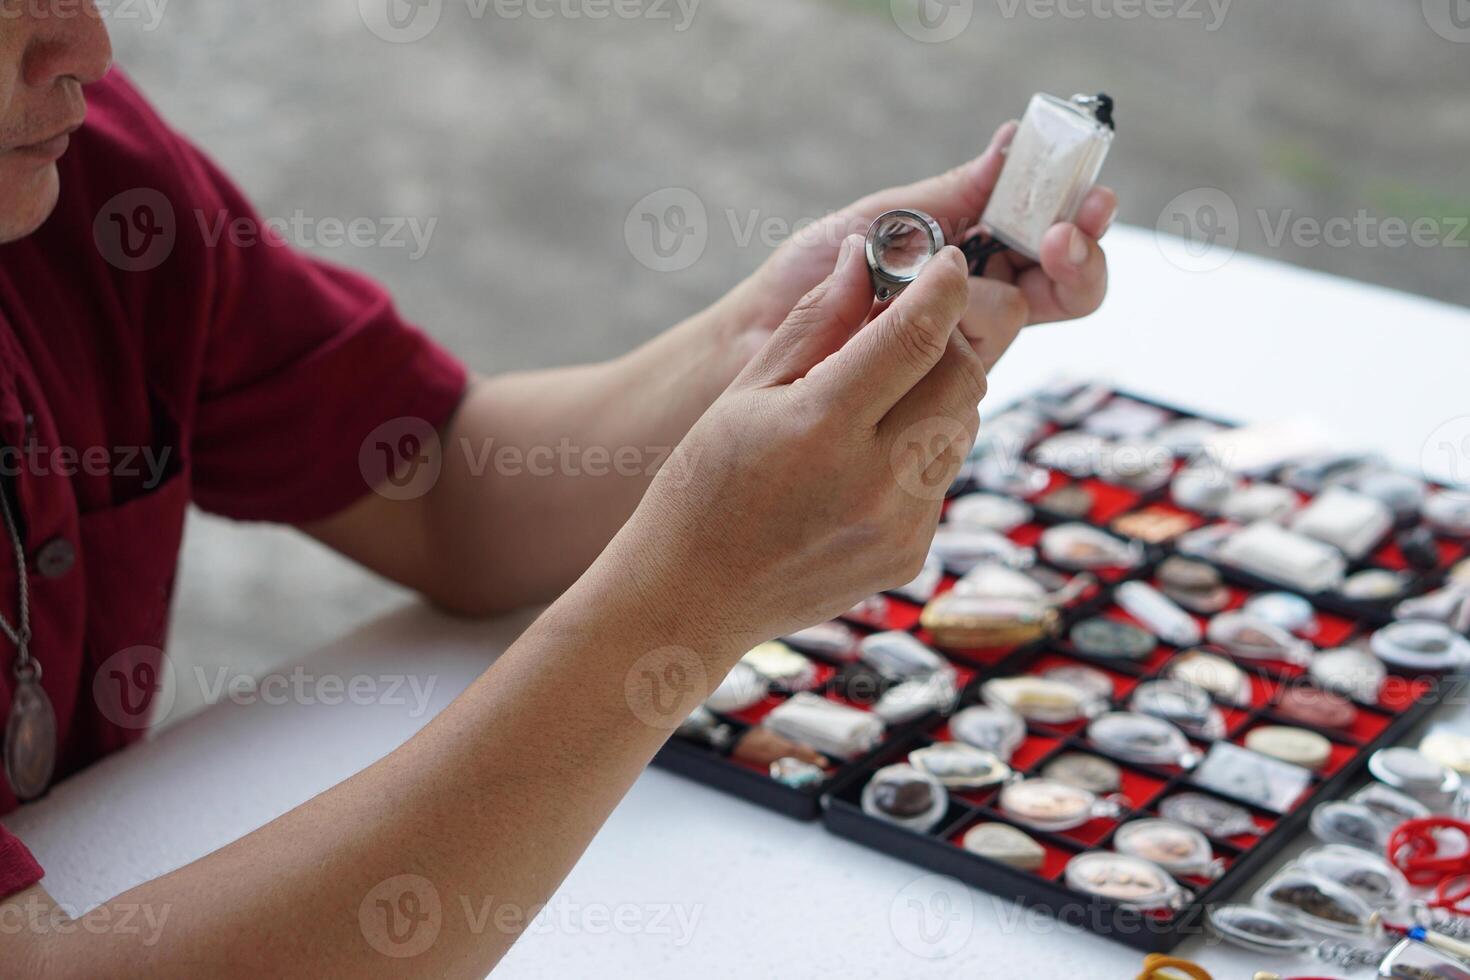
point(48, 50)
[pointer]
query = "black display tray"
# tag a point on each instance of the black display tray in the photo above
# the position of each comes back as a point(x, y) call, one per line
point(1370, 611)
point(939, 849)
point(837, 800)
point(715, 768)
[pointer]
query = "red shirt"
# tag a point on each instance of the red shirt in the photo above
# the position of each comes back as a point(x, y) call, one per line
point(147, 361)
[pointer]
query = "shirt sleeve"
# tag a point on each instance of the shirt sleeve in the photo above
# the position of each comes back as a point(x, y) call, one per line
point(303, 361)
point(18, 869)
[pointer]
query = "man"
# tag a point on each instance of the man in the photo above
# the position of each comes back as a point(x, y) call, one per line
point(257, 374)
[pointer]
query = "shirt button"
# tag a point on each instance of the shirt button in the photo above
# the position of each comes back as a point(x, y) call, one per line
point(56, 558)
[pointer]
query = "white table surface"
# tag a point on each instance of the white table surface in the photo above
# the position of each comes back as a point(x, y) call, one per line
point(684, 881)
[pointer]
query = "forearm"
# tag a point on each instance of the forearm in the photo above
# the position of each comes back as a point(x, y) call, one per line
point(490, 805)
point(541, 468)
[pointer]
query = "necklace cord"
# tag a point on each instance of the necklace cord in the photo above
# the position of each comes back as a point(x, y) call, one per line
point(1414, 849)
point(25, 667)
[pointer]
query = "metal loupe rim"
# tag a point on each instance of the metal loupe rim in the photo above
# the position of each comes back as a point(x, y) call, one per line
point(885, 284)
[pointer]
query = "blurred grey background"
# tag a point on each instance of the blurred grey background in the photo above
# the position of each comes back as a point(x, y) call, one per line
point(527, 130)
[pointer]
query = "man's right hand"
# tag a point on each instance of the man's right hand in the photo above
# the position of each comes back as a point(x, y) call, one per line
point(818, 477)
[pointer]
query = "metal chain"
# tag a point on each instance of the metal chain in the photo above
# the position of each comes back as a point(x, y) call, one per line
point(1440, 920)
point(20, 636)
point(1347, 955)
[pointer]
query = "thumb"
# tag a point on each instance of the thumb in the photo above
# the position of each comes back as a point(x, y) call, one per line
point(818, 325)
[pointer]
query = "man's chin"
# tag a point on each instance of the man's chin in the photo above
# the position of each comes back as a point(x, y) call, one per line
point(27, 198)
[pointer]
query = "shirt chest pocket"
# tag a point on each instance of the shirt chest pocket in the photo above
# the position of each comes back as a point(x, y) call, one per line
point(130, 556)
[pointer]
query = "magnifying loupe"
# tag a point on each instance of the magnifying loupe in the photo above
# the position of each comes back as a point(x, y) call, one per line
point(899, 243)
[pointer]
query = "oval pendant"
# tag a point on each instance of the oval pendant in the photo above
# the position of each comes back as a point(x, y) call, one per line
point(30, 740)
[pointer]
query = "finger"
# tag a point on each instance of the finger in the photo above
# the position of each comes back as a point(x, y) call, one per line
point(996, 313)
point(934, 425)
point(819, 324)
point(955, 199)
point(886, 358)
point(1071, 280)
point(1095, 214)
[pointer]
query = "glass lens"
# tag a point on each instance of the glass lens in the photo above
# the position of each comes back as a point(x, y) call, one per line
point(902, 243)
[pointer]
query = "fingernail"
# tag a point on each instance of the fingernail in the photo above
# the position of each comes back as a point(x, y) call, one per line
point(1005, 135)
point(999, 143)
point(1108, 222)
point(1077, 248)
point(842, 252)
